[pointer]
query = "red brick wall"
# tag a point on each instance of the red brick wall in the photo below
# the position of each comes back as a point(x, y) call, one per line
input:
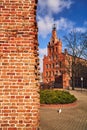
point(19, 98)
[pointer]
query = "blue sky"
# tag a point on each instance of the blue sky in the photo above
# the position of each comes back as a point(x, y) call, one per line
point(66, 14)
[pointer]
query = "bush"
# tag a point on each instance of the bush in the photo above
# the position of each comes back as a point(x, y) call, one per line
point(56, 97)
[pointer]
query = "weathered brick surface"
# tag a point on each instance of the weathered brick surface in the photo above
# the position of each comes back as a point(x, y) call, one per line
point(19, 98)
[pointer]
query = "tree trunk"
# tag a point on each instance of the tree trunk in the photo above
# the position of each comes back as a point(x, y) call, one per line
point(73, 81)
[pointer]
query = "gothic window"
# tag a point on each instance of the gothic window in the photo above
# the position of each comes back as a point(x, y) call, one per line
point(53, 65)
point(56, 57)
point(52, 57)
point(47, 66)
point(46, 73)
point(60, 64)
point(56, 72)
point(57, 64)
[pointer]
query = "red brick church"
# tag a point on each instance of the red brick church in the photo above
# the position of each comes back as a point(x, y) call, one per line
point(53, 68)
point(54, 64)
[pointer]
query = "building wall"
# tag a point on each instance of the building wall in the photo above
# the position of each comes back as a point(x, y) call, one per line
point(53, 67)
point(19, 98)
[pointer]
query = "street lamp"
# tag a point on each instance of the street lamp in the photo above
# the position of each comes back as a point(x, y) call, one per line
point(81, 83)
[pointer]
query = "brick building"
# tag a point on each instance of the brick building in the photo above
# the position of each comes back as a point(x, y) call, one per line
point(19, 75)
point(55, 64)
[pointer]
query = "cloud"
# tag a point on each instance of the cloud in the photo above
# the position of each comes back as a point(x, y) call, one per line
point(81, 29)
point(42, 52)
point(57, 6)
point(45, 12)
point(64, 24)
point(53, 6)
point(45, 25)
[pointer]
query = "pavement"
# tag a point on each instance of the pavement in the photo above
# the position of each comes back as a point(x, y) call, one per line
point(73, 117)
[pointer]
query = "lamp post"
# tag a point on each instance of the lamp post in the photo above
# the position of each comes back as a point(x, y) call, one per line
point(81, 83)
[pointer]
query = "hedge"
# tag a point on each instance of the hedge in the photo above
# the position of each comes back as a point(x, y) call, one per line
point(56, 97)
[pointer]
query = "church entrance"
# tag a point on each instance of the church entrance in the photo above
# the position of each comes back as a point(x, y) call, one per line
point(58, 81)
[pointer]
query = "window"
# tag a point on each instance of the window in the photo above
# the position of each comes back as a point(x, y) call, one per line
point(56, 57)
point(53, 65)
point(57, 65)
point(60, 64)
point(47, 66)
point(52, 57)
point(46, 73)
point(57, 72)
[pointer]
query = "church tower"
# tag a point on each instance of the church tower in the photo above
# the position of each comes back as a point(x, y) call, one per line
point(55, 44)
point(52, 62)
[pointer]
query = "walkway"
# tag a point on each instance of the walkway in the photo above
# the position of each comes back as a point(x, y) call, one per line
point(71, 118)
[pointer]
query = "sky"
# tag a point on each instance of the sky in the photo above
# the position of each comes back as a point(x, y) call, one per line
point(66, 14)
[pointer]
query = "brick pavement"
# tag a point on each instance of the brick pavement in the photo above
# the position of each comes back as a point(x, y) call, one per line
point(71, 118)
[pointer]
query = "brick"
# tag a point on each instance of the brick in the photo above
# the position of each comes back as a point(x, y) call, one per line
point(12, 128)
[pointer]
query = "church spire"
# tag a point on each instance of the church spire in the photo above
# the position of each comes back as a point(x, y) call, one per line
point(54, 26)
point(54, 35)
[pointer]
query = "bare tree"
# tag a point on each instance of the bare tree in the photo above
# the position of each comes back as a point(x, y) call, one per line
point(76, 44)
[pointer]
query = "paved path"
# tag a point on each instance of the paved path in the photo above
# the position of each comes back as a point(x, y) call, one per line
point(71, 118)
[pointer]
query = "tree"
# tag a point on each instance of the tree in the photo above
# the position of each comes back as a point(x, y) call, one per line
point(84, 39)
point(76, 43)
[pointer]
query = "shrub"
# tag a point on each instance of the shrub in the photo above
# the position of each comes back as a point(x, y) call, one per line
point(56, 97)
